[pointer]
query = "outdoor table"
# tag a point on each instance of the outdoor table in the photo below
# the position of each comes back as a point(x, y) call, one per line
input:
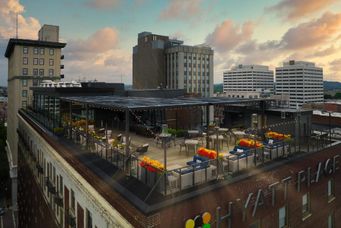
point(193, 133)
point(191, 143)
point(224, 130)
point(220, 140)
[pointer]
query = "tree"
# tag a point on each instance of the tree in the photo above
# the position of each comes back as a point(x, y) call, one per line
point(337, 96)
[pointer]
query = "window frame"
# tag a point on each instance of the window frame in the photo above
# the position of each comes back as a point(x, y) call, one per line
point(24, 71)
point(24, 82)
point(41, 61)
point(25, 61)
point(35, 61)
point(25, 50)
point(35, 51)
point(24, 93)
point(286, 219)
point(331, 218)
point(51, 51)
point(35, 70)
point(306, 208)
point(42, 51)
point(51, 72)
point(41, 74)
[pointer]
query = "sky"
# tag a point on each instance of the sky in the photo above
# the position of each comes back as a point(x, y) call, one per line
point(100, 34)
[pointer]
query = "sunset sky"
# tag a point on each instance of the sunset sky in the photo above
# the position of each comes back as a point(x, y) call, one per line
point(100, 34)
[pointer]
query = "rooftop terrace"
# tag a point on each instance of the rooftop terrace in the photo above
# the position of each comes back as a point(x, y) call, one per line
point(132, 145)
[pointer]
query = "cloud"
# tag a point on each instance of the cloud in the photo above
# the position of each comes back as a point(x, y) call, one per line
point(227, 35)
point(324, 52)
point(103, 4)
point(295, 9)
point(98, 57)
point(314, 32)
point(179, 9)
point(317, 40)
point(101, 41)
point(28, 27)
point(335, 65)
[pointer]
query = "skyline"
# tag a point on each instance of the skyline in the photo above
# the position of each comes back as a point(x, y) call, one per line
point(100, 34)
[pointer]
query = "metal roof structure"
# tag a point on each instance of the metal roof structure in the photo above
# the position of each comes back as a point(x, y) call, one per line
point(144, 103)
point(39, 43)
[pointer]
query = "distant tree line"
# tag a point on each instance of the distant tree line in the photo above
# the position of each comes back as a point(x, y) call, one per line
point(336, 96)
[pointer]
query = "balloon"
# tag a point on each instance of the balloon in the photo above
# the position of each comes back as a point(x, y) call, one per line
point(206, 217)
point(190, 223)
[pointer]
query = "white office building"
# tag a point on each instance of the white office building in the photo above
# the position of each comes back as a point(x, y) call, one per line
point(248, 81)
point(301, 81)
point(190, 68)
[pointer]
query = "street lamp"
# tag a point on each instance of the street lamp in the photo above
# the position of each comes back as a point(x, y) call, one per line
point(164, 136)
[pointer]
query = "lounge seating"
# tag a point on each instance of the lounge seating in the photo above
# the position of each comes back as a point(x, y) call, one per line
point(198, 162)
point(142, 149)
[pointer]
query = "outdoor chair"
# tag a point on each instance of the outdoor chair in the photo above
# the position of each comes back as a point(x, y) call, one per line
point(182, 145)
point(142, 149)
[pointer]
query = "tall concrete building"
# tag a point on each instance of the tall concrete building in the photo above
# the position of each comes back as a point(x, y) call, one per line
point(301, 81)
point(162, 62)
point(29, 62)
point(248, 81)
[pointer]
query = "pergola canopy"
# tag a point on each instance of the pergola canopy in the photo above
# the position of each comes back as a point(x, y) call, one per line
point(144, 103)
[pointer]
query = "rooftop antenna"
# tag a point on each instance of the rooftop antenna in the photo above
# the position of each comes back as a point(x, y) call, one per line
point(16, 26)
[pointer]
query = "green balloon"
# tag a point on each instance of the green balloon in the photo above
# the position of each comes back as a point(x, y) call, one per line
point(206, 226)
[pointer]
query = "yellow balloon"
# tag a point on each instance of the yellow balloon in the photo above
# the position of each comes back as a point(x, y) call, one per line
point(206, 217)
point(190, 223)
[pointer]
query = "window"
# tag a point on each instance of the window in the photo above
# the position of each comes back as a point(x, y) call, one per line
point(25, 50)
point(24, 82)
point(61, 185)
point(25, 60)
point(51, 51)
point(51, 62)
point(282, 217)
point(41, 61)
point(35, 61)
point(331, 190)
point(88, 219)
point(72, 200)
point(331, 222)
point(306, 205)
point(41, 72)
point(50, 72)
point(35, 51)
point(24, 93)
point(35, 82)
point(42, 51)
point(24, 71)
point(35, 72)
point(24, 104)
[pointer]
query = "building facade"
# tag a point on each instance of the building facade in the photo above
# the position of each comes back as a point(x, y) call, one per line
point(248, 81)
point(302, 81)
point(29, 62)
point(190, 68)
point(160, 62)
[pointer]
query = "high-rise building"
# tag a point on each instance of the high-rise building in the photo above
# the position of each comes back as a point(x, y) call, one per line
point(302, 81)
point(248, 81)
point(29, 62)
point(162, 62)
